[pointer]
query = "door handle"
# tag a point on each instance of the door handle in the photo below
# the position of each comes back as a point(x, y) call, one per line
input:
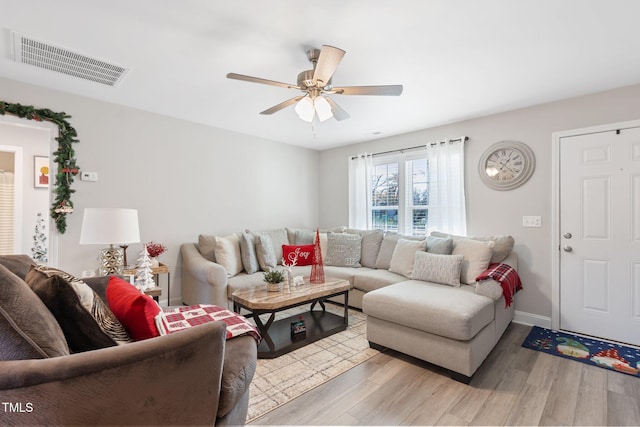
point(568, 249)
point(568, 235)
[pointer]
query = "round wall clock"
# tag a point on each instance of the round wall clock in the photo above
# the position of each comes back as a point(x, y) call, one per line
point(506, 165)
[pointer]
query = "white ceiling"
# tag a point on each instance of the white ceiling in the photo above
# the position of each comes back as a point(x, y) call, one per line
point(457, 59)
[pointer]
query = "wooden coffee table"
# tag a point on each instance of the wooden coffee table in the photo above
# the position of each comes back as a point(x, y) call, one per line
point(277, 338)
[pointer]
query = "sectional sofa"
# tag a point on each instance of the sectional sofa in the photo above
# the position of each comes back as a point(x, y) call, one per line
point(419, 293)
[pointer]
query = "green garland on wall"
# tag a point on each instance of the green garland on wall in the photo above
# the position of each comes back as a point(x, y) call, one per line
point(64, 156)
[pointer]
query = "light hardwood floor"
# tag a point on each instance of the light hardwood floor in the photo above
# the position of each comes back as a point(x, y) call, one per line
point(514, 386)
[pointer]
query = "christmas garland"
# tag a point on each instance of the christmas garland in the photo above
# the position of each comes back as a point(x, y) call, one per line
point(64, 156)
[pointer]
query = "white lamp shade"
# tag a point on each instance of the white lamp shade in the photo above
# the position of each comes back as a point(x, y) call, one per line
point(109, 226)
point(323, 109)
point(305, 110)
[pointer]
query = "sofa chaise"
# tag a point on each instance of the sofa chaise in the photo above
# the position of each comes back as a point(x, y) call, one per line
point(193, 377)
point(419, 293)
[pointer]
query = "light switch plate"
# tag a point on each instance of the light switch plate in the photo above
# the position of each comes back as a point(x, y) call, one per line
point(532, 221)
point(89, 176)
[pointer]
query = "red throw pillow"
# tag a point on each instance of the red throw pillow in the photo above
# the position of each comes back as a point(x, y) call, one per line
point(303, 252)
point(135, 310)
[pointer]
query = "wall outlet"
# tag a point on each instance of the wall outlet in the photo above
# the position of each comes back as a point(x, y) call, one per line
point(532, 221)
point(89, 176)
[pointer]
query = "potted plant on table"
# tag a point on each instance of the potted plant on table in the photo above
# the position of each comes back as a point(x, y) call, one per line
point(274, 280)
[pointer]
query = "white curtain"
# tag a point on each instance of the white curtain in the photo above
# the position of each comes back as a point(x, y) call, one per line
point(447, 207)
point(360, 168)
point(6, 212)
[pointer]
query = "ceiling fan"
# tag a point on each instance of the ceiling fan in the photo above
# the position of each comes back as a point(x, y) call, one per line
point(316, 84)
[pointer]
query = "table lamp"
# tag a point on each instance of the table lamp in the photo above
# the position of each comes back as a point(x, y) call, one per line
point(110, 226)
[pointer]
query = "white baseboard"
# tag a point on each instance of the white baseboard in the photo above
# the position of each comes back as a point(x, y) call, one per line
point(532, 319)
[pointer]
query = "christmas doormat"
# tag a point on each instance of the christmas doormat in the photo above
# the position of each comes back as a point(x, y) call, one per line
point(603, 354)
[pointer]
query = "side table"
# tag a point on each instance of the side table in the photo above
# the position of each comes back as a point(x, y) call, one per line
point(156, 271)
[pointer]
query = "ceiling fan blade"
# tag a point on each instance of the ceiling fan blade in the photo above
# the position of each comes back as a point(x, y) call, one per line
point(259, 80)
point(328, 61)
point(282, 105)
point(387, 90)
point(338, 112)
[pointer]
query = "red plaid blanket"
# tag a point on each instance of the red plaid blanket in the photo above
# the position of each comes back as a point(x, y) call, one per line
point(506, 276)
point(176, 319)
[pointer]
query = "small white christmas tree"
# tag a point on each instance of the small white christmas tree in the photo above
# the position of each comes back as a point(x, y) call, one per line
point(144, 277)
point(39, 251)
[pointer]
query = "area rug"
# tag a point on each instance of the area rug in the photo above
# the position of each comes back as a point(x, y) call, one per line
point(588, 350)
point(277, 381)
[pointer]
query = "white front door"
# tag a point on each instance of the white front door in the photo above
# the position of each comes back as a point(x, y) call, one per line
point(600, 234)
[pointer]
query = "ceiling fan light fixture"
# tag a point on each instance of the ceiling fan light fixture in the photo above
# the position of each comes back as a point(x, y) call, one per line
point(305, 109)
point(323, 109)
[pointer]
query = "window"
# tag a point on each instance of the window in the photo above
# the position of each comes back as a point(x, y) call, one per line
point(410, 193)
point(400, 194)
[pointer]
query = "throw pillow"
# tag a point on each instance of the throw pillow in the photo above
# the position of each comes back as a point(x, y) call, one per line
point(265, 253)
point(371, 242)
point(388, 245)
point(343, 250)
point(227, 252)
point(439, 245)
point(477, 256)
point(404, 255)
point(134, 309)
point(302, 254)
point(206, 246)
point(503, 244)
point(80, 328)
point(303, 237)
point(436, 268)
point(28, 330)
point(248, 253)
point(279, 237)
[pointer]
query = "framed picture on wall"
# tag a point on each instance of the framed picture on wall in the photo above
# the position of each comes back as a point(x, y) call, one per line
point(41, 171)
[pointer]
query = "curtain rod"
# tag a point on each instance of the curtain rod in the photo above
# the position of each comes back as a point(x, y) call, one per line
point(402, 150)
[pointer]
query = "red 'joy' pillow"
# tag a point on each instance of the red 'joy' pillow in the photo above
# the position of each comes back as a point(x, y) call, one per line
point(135, 310)
point(303, 252)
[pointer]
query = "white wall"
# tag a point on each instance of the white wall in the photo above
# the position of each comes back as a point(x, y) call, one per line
point(497, 212)
point(184, 178)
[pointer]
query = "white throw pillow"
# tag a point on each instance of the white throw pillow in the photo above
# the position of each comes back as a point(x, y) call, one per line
point(476, 254)
point(436, 268)
point(404, 256)
point(227, 252)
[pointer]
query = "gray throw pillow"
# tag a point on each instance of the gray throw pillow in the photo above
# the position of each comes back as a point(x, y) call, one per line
point(343, 249)
point(248, 253)
point(439, 245)
point(387, 247)
point(371, 242)
point(279, 237)
point(443, 269)
point(265, 253)
point(305, 237)
point(206, 245)
point(28, 330)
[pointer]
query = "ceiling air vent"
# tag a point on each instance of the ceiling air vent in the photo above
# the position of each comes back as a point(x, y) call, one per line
point(61, 60)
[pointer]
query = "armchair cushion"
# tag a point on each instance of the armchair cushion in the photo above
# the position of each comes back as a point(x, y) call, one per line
point(134, 309)
point(80, 328)
point(27, 329)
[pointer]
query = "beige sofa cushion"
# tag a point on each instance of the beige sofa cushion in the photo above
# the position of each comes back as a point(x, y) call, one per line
point(457, 313)
point(477, 256)
point(371, 242)
point(227, 253)
point(503, 244)
point(387, 247)
point(404, 256)
point(279, 237)
point(369, 280)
